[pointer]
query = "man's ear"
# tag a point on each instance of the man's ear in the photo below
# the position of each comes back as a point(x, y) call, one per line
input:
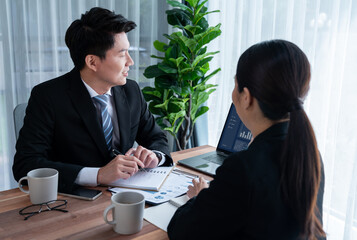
point(247, 98)
point(92, 62)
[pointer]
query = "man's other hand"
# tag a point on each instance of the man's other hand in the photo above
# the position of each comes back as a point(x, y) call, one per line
point(146, 156)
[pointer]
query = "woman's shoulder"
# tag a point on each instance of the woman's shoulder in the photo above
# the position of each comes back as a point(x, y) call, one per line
point(260, 153)
point(257, 161)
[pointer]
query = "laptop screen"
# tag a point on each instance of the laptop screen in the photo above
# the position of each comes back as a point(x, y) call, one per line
point(235, 136)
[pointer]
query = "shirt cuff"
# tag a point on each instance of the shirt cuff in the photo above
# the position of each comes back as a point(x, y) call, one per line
point(163, 158)
point(87, 177)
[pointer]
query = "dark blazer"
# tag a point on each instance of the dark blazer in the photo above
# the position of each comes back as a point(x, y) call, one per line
point(61, 129)
point(244, 200)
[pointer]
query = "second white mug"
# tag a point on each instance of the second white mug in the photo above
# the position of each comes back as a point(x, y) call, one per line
point(128, 212)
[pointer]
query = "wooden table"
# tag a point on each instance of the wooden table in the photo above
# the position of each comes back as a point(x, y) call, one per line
point(84, 219)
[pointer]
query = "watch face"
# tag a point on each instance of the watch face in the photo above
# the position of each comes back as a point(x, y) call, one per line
point(158, 155)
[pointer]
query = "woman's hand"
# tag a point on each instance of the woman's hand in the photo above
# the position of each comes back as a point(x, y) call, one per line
point(197, 187)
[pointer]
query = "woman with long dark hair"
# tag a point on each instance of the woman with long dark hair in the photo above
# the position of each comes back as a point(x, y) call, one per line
point(274, 189)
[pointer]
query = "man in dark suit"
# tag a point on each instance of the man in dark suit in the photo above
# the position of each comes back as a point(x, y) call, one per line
point(74, 122)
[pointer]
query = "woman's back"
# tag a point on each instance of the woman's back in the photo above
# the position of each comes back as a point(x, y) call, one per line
point(274, 189)
point(244, 200)
point(266, 215)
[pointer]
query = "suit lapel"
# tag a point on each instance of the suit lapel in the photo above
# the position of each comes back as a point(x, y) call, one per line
point(85, 108)
point(123, 115)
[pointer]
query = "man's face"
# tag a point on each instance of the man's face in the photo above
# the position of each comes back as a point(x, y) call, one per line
point(113, 70)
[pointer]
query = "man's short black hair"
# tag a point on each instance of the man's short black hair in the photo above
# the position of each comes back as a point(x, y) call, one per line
point(94, 34)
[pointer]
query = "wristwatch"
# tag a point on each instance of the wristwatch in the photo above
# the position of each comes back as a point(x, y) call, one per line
point(158, 155)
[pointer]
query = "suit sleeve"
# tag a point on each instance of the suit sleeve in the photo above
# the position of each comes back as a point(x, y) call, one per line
point(34, 145)
point(224, 206)
point(149, 134)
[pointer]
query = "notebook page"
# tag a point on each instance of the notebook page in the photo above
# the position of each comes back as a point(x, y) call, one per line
point(150, 179)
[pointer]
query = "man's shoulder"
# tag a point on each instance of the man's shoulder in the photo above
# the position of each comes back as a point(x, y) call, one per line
point(56, 83)
point(131, 87)
point(130, 84)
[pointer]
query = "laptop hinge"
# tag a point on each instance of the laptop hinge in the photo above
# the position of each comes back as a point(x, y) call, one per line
point(222, 153)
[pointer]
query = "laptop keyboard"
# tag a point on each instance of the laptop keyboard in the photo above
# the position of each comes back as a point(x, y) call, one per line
point(215, 158)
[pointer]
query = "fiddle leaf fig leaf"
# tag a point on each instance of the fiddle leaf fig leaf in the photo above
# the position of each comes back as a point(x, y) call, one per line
point(202, 110)
point(180, 5)
point(192, 29)
point(211, 75)
point(178, 17)
point(155, 110)
point(153, 56)
point(151, 94)
point(201, 57)
point(193, 3)
point(201, 7)
point(153, 71)
point(203, 87)
point(178, 125)
point(163, 83)
point(207, 36)
point(163, 105)
point(177, 61)
point(199, 16)
point(202, 51)
point(192, 76)
point(189, 42)
point(160, 46)
point(166, 68)
point(172, 117)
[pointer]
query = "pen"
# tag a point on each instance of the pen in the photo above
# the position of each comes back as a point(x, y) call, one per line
point(117, 152)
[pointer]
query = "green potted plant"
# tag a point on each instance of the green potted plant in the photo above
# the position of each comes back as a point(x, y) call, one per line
point(181, 85)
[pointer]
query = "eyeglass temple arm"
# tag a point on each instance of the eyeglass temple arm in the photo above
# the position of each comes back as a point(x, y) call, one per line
point(61, 210)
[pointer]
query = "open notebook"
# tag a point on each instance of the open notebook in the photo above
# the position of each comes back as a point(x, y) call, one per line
point(161, 215)
point(150, 179)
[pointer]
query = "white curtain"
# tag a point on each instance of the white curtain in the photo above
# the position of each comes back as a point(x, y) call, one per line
point(326, 30)
point(32, 50)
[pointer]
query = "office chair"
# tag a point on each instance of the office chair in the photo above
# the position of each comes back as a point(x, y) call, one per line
point(19, 115)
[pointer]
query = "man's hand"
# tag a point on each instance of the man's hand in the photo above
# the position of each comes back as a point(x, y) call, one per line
point(122, 166)
point(146, 156)
point(197, 187)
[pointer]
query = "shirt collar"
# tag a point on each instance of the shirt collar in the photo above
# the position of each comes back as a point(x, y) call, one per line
point(93, 93)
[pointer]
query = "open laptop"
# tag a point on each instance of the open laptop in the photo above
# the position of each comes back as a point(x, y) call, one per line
point(235, 137)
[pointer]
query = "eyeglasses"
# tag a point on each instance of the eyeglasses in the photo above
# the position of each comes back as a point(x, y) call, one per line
point(57, 205)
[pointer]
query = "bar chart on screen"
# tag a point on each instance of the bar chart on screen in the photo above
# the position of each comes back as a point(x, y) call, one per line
point(246, 135)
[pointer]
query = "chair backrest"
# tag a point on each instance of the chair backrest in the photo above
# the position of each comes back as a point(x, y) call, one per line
point(19, 115)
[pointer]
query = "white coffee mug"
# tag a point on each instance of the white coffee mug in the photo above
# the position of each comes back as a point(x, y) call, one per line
point(43, 185)
point(128, 211)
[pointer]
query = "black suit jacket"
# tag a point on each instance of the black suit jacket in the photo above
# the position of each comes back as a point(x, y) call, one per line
point(61, 129)
point(244, 200)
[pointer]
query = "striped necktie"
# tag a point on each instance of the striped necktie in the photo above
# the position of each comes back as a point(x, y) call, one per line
point(106, 119)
